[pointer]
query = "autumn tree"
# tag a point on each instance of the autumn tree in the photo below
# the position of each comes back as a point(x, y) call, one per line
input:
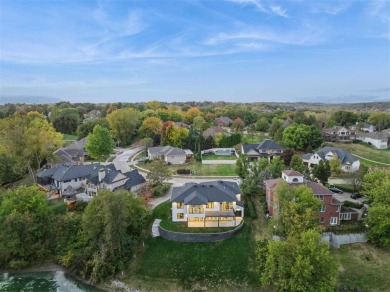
point(29, 138)
point(198, 123)
point(238, 125)
point(123, 124)
point(191, 113)
point(174, 135)
point(100, 143)
point(151, 127)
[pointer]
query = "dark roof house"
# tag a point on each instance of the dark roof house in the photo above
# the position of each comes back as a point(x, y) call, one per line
point(224, 121)
point(266, 149)
point(72, 153)
point(214, 130)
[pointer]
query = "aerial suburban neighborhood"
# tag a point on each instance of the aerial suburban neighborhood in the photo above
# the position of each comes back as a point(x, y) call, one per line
point(232, 145)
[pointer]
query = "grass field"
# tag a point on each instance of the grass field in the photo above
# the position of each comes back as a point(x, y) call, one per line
point(219, 157)
point(227, 265)
point(363, 266)
point(200, 169)
point(368, 152)
point(257, 137)
point(68, 137)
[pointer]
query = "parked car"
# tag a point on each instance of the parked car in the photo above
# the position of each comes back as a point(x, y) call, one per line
point(335, 190)
point(356, 196)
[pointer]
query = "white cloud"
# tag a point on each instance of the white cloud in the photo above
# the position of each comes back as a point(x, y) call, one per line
point(379, 9)
point(331, 7)
point(269, 9)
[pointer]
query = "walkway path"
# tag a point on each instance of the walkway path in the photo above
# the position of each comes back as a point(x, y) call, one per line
point(370, 160)
point(156, 225)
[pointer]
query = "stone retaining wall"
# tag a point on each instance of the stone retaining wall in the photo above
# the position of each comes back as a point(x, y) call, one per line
point(335, 240)
point(198, 237)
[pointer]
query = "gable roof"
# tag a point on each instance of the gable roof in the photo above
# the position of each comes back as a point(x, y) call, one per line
point(344, 156)
point(135, 179)
point(72, 152)
point(213, 130)
point(374, 135)
point(199, 194)
point(224, 120)
point(292, 172)
point(167, 150)
point(317, 188)
point(269, 144)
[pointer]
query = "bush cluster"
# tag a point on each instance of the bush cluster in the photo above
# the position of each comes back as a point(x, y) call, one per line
point(251, 208)
point(183, 171)
point(353, 204)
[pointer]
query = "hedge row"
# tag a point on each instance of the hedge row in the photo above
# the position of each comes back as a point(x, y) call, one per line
point(251, 208)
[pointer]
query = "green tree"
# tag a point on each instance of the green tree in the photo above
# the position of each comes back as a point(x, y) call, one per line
point(11, 168)
point(174, 135)
point(198, 123)
point(112, 224)
point(100, 143)
point(147, 142)
point(276, 167)
point(84, 129)
point(238, 125)
point(380, 119)
point(262, 125)
point(151, 127)
point(297, 163)
point(321, 171)
point(377, 184)
point(65, 120)
point(159, 172)
point(300, 136)
point(300, 263)
point(344, 118)
point(275, 126)
point(335, 165)
point(242, 166)
point(24, 227)
point(123, 124)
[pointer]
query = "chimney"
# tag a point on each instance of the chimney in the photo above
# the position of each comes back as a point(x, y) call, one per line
point(102, 174)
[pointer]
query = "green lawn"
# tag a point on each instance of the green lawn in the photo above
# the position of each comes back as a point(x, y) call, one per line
point(219, 157)
point(200, 169)
point(363, 266)
point(257, 137)
point(68, 137)
point(164, 213)
point(366, 151)
point(226, 265)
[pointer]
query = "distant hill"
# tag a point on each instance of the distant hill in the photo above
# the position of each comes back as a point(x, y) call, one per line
point(28, 99)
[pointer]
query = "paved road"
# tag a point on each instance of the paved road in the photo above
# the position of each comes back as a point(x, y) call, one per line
point(121, 159)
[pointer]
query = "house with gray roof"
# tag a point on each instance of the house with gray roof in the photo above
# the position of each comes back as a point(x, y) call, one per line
point(380, 140)
point(171, 155)
point(210, 204)
point(339, 134)
point(73, 153)
point(265, 149)
point(224, 121)
point(349, 163)
point(212, 131)
point(91, 178)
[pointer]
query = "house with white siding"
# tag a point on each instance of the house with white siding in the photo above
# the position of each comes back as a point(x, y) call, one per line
point(349, 163)
point(210, 204)
point(380, 140)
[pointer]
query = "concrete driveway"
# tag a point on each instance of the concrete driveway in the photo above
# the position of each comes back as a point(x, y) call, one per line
point(121, 159)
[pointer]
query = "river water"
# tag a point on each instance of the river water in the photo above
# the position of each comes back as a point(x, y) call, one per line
point(42, 281)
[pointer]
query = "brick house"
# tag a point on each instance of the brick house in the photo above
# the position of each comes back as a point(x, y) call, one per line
point(329, 215)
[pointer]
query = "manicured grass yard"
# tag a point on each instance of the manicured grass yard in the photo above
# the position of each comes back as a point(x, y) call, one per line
point(367, 151)
point(219, 157)
point(363, 266)
point(68, 137)
point(200, 169)
point(257, 137)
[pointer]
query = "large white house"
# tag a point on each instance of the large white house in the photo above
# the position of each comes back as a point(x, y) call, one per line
point(380, 140)
point(172, 155)
point(211, 204)
point(349, 163)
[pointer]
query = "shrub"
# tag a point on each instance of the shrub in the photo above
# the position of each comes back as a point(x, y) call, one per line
point(59, 208)
point(160, 190)
point(183, 171)
point(353, 204)
point(251, 208)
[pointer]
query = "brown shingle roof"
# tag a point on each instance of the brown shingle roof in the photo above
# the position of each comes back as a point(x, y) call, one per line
point(292, 172)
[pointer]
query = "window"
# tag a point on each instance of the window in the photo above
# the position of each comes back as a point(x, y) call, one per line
point(295, 179)
point(322, 220)
point(195, 219)
point(196, 210)
point(323, 208)
point(227, 206)
point(338, 208)
point(333, 221)
point(321, 197)
point(180, 206)
point(346, 216)
point(210, 205)
point(180, 215)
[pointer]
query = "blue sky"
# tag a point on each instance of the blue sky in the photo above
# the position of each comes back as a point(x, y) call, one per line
point(234, 50)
